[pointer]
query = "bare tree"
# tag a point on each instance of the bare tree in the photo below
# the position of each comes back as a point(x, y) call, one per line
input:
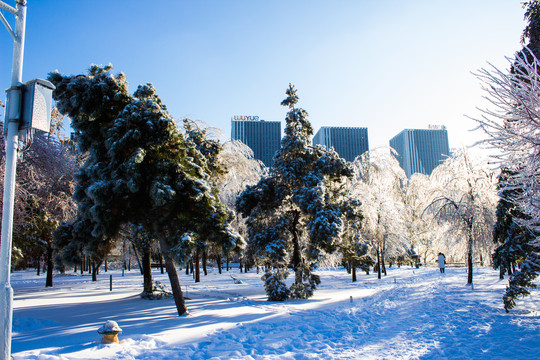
point(421, 232)
point(377, 183)
point(242, 170)
point(43, 194)
point(464, 196)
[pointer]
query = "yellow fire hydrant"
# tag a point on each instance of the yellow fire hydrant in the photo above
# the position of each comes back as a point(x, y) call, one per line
point(109, 332)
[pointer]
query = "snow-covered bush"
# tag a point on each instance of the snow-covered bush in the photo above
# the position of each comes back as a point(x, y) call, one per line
point(274, 284)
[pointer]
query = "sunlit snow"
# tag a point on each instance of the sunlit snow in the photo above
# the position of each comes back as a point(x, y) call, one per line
point(409, 314)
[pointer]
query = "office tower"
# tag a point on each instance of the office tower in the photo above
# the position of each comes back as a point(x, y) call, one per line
point(263, 137)
point(420, 150)
point(349, 142)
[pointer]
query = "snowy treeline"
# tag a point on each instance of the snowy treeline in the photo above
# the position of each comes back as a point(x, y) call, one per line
point(314, 209)
point(512, 126)
point(412, 220)
point(311, 209)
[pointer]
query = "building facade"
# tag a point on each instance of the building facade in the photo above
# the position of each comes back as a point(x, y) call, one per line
point(421, 150)
point(263, 137)
point(349, 142)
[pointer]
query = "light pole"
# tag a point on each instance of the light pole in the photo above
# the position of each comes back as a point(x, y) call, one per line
point(13, 115)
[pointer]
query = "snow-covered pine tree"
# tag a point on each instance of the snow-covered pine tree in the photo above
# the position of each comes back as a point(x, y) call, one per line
point(294, 212)
point(511, 236)
point(139, 169)
point(512, 126)
point(354, 248)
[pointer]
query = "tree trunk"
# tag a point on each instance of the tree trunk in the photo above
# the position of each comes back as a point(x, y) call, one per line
point(378, 265)
point(106, 267)
point(382, 264)
point(161, 263)
point(147, 271)
point(205, 261)
point(187, 267)
point(228, 260)
point(501, 271)
point(470, 258)
point(383, 253)
point(218, 260)
point(173, 278)
point(137, 257)
point(353, 270)
point(50, 266)
point(95, 270)
point(197, 265)
point(38, 266)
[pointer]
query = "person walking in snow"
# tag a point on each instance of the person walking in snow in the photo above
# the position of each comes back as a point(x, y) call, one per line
point(442, 262)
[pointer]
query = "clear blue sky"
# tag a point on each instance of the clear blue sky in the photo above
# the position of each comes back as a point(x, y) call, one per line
point(384, 65)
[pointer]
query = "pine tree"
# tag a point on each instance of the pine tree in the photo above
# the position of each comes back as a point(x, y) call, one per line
point(531, 35)
point(513, 128)
point(508, 233)
point(139, 169)
point(294, 212)
point(354, 248)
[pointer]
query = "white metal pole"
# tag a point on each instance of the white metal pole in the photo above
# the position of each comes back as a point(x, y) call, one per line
point(12, 123)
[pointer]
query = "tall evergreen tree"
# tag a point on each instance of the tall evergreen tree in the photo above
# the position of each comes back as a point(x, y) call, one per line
point(513, 128)
point(531, 34)
point(353, 246)
point(139, 170)
point(510, 236)
point(294, 212)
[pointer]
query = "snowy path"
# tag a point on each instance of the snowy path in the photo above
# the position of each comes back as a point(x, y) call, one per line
point(406, 315)
point(415, 319)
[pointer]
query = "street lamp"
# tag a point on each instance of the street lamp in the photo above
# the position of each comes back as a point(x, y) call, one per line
point(11, 122)
point(28, 107)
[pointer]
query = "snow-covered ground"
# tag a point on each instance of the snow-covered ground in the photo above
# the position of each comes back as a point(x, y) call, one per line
point(409, 314)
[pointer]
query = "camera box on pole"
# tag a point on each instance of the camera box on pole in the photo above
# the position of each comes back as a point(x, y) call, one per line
point(37, 105)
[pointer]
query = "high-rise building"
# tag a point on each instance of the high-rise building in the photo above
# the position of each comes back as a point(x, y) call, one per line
point(263, 137)
point(349, 142)
point(421, 150)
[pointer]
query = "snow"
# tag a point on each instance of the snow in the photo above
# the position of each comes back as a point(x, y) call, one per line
point(409, 314)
